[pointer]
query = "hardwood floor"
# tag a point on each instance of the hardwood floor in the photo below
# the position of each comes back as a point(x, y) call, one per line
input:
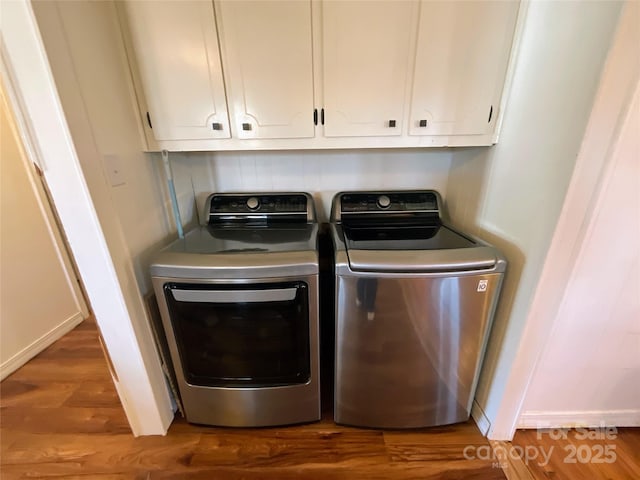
point(61, 418)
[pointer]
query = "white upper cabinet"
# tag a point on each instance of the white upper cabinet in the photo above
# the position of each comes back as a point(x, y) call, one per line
point(463, 50)
point(366, 49)
point(377, 73)
point(178, 61)
point(267, 58)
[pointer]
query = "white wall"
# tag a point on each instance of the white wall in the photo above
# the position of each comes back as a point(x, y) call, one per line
point(40, 299)
point(324, 173)
point(589, 371)
point(512, 193)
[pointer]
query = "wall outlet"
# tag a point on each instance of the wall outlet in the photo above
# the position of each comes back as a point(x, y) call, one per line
point(115, 172)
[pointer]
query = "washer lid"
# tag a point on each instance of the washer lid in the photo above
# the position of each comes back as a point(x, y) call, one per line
point(395, 237)
point(427, 248)
point(416, 261)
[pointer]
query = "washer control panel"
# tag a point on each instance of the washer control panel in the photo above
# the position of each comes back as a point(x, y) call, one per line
point(389, 202)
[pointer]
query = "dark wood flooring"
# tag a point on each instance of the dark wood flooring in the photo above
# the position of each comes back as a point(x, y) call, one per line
point(61, 418)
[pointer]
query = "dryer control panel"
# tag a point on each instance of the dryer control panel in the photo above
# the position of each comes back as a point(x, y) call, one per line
point(237, 207)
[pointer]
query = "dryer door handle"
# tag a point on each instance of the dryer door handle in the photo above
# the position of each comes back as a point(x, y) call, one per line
point(235, 296)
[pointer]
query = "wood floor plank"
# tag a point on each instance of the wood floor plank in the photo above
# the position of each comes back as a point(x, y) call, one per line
point(81, 352)
point(93, 394)
point(66, 420)
point(61, 370)
point(20, 392)
point(51, 472)
point(329, 473)
point(419, 452)
point(291, 448)
point(66, 471)
point(100, 453)
point(325, 473)
point(442, 470)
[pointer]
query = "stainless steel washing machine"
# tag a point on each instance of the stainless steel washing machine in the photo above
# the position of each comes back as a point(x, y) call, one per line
point(238, 297)
point(414, 304)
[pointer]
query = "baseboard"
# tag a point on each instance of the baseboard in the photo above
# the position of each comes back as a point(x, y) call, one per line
point(26, 354)
point(480, 418)
point(597, 418)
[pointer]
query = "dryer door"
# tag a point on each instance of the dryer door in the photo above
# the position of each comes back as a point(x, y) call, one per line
point(249, 335)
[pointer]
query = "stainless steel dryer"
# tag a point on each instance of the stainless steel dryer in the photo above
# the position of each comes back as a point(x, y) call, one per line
point(414, 304)
point(238, 297)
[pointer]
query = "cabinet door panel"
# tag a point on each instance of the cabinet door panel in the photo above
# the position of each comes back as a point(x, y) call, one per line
point(461, 61)
point(266, 47)
point(366, 49)
point(176, 50)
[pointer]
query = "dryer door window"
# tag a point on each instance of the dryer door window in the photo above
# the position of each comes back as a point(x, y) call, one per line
point(253, 335)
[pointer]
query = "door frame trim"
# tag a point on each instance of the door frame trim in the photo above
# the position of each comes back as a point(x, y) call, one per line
point(105, 268)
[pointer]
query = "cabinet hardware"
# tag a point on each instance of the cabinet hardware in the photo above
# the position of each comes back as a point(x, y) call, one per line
point(246, 126)
point(392, 123)
point(423, 123)
point(315, 116)
point(490, 114)
point(216, 126)
point(149, 120)
point(322, 116)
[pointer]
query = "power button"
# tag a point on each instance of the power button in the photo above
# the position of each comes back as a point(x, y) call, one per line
point(253, 203)
point(384, 201)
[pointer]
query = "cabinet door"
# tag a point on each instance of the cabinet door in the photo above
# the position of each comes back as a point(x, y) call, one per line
point(461, 61)
point(176, 51)
point(365, 51)
point(266, 48)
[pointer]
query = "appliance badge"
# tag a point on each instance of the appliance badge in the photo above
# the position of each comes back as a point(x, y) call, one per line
point(482, 285)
